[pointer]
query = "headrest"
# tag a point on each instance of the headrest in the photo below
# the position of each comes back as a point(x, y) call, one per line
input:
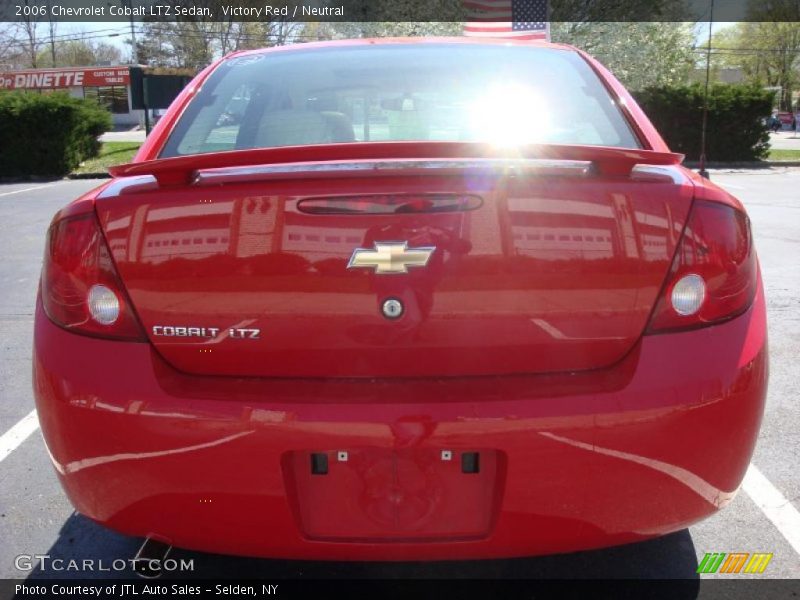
point(292, 128)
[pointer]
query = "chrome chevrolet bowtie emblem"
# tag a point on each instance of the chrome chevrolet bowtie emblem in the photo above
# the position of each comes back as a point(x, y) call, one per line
point(390, 257)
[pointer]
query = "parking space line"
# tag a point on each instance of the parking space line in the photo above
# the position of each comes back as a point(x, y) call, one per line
point(30, 189)
point(18, 434)
point(774, 505)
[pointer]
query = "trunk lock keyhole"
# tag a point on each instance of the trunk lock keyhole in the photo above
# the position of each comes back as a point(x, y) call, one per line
point(392, 308)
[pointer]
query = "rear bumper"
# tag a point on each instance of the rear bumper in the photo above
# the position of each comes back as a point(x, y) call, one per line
point(648, 447)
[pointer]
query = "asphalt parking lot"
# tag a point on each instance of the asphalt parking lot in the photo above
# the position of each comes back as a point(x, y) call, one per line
point(36, 518)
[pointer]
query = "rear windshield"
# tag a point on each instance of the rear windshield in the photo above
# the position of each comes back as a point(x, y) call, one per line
point(439, 92)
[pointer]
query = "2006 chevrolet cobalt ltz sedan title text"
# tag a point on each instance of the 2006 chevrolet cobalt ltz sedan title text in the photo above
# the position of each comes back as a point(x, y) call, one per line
point(401, 299)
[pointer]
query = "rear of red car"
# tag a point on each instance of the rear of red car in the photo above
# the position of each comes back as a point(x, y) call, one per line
point(401, 300)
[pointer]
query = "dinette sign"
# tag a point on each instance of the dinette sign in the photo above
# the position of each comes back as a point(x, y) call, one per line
point(53, 79)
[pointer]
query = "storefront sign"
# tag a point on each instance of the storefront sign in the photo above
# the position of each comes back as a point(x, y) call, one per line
point(64, 78)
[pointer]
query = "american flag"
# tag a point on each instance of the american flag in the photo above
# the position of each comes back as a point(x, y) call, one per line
point(515, 19)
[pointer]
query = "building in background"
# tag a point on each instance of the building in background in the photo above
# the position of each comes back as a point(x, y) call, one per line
point(110, 86)
point(719, 75)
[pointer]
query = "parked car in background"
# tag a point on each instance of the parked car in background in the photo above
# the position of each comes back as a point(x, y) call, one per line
point(786, 119)
point(421, 299)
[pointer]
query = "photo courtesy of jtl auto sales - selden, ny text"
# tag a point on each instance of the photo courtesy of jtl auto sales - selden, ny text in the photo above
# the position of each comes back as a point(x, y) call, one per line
point(391, 299)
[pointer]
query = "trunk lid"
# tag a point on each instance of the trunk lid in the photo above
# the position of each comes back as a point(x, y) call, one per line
point(513, 266)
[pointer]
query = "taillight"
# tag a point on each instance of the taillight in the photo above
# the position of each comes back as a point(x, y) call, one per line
point(714, 273)
point(81, 290)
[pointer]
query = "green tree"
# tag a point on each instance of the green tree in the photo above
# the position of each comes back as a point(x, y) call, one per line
point(196, 41)
point(10, 46)
point(378, 29)
point(639, 54)
point(80, 53)
point(31, 38)
point(176, 44)
point(618, 11)
point(767, 52)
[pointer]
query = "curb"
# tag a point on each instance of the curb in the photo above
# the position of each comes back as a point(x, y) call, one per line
point(754, 164)
point(42, 179)
point(100, 175)
point(31, 179)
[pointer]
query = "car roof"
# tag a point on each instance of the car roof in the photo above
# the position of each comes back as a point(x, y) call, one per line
point(403, 41)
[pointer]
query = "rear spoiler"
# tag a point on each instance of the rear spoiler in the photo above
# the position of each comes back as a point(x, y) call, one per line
point(354, 156)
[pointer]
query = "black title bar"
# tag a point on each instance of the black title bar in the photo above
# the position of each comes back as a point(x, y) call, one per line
point(389, 589)
point(391, 10)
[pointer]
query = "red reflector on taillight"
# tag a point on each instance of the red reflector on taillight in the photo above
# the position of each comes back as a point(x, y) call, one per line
point(81, 290)
point(717, 246)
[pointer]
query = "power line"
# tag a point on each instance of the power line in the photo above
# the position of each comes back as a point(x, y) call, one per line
point(77, 35)
point(178, 34)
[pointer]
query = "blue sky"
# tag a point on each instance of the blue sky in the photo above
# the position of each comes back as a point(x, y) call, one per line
point(115, 33)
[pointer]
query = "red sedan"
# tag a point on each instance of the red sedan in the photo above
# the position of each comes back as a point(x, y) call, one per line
point(401, 299)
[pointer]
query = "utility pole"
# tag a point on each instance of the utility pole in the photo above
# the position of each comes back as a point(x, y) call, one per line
point(52, 27)
point(703, 172)
point(134, 51)
point(52, 46)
